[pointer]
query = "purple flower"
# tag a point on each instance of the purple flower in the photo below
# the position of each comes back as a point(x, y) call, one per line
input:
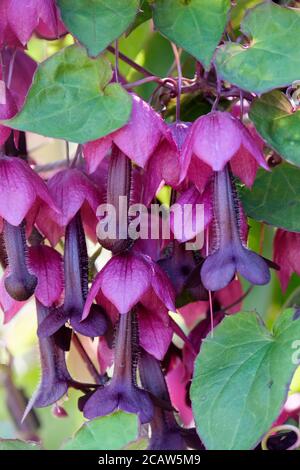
point(134, 274)
point(121, 392)
point(214, 140)
point(121, 183)
point(16, 75)
point(46, 263)
point(22, 193)
point(55, 378)
point(77, 197)
point(76, 287)
point(72, 191)
point(138, 139)
point(230, 255)
point(166, 434)
point(20, 19)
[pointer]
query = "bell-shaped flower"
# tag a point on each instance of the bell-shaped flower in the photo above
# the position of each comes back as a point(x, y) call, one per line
point(135, 275)
point(15, 79)
point(286, 255)
point(22, 192)
point(121, 392)
point(55, 378)
point(138, 139)
point(76, 287)
point(166, 434)
point(72, 191)
point(216, 139)
point(229, 255)
point(165, 163)
point(155, 328)
point(46, 264)
point(20, 19)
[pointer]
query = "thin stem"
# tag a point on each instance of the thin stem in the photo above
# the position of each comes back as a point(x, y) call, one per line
point(216, 102)
point(152, 78)
point(211, 309)
point(237, 301)
point(130, 62)
point(117, 61)
point(68, 152)
point(241, 106)
point(179, 82)
point(86, 359)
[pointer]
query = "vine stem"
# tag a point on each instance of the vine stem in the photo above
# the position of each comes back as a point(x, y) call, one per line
point(130, 62)
point(238, 300)
point(117, 61)
point(86, 359)
point(179, 79)
point(211, 309)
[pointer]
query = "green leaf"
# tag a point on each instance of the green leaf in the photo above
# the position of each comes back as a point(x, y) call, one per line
point(275, 197)
point(144, 14)
point(239, 10)
point(139, 444)
point(242, 376)
point(111, 432)
point(278, 124)
point(71, 98)
point(96, 23)
point(195, 25)
point(16, 444)
point(271, 59)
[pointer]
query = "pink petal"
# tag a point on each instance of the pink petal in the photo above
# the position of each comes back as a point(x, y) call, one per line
point(23, 68)
point(230, 295)
point(215, 138)
point(9, 306)
point(7, 110)
point(17, 189)
point(70, 189)
point(192, 220)
point(141, 135)
point(193, 312)
point(125, 279)
point(199, 173)
point(252, 145)
point(177, 385)
point(244, 166)
point(286, 255)
point(23, 18)
point(48, 14)
point(162, 286)
point(47, 264)
point(94, 152)
point(48, 227)
point(155, 331)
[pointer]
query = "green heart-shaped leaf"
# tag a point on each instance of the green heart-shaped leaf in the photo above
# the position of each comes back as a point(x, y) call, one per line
point(96, 23)
point(278, 124)
point(195, 25)
point(271, 59)
point(16, 444)
point(275, 197)
point(242, 376)
point(71, 98)
point(111, 432)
